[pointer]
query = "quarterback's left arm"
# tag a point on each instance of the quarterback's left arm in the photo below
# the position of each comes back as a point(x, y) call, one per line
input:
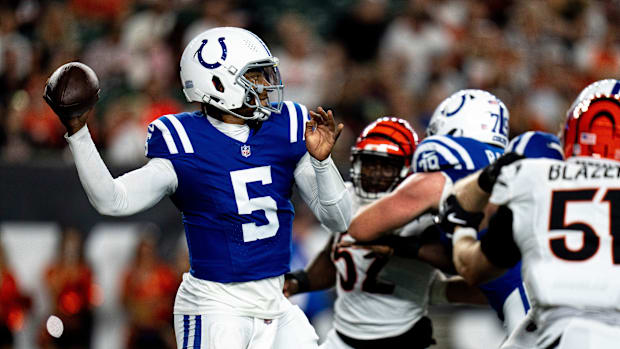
point(322, 188)
point(320, 184)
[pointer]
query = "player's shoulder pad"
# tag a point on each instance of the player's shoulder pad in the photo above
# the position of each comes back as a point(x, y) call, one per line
point(168, 136)
point(536, 144)
point(438, 153)
point(293, 117)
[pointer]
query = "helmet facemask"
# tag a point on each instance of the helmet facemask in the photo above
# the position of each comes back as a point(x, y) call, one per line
point(381, 157)
point(273, 87)
point(374, 175)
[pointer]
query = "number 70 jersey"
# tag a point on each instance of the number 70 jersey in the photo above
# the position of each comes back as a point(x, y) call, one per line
point(566, 223)
point(234, 196)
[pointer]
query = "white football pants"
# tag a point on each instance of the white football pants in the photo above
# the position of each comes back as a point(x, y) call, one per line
point(221, 331)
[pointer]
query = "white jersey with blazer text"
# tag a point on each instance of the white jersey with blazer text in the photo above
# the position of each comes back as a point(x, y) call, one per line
point(566, 223)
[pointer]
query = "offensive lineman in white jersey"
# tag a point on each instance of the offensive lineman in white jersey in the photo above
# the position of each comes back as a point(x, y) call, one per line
point(382, 300)
point(562, 220)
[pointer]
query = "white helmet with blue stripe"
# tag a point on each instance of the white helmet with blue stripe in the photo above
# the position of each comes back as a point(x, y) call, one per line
point(213, 67)
point(474, 114)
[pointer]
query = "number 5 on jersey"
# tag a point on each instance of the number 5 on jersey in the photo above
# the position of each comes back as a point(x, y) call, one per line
point(245, 205)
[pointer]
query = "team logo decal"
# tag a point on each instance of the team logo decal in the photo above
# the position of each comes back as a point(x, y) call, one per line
point(216, 64)
point(245, 151)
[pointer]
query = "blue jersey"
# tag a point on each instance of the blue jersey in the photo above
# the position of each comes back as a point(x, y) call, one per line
point(458, 157)
point(536, 144)
point(234, 197)
point(498, 290)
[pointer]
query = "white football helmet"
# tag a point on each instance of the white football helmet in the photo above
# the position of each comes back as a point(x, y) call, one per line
point(474, 114)
point(213, 67)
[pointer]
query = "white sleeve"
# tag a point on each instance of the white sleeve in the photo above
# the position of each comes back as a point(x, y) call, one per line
point(503, 188)
point(323, 189)
point(130, 193)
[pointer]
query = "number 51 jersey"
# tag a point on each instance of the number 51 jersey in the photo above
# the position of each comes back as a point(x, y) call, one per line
point(566, 223)
point(234, 197)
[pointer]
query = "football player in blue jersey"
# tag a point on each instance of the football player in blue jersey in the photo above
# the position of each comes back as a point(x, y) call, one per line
point(230, 169)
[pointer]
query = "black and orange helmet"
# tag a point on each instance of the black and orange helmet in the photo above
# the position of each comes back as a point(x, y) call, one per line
point(389, 142)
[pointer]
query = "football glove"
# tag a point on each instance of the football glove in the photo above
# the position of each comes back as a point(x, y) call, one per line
point(489, 174)
point(452, 214)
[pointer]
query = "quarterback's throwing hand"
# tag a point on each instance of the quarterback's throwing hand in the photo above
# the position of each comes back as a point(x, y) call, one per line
point(321, 133)
point(72, 91)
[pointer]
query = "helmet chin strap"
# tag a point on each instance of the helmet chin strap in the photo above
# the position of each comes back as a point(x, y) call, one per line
point(261, 114)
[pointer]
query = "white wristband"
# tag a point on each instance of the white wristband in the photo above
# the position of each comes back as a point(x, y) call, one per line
point(462, 232)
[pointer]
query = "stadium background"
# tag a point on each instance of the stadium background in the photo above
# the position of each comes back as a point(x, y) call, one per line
point(363, 59)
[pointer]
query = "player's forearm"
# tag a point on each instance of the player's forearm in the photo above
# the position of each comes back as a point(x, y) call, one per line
point(322, 271)
point(416, 195)
point(381, 217)
point(435, 254)
point(444, 290)
point(335, 201)
point(459, 291)
point(115, 197)
point(96, 179)
point(470, 262)
point(469, 194)
point(323, 189)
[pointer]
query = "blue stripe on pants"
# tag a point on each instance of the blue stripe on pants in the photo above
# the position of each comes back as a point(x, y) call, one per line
point(185, 330)
point(197, 333)
point(524, 299)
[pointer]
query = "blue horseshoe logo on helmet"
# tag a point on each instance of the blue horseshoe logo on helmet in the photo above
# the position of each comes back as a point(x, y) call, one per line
point(463, 98)
point(216, 64)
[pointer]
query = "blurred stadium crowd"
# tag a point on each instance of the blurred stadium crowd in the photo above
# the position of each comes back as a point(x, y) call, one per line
point(363, 59)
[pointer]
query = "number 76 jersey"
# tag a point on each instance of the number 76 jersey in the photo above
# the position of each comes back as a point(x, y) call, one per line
point(566, 223)
point(234, 197)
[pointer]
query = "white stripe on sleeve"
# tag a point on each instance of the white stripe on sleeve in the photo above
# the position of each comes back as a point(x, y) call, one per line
point(525, 139)
point(187, 145)
point(469, 163)
point(292, 114)
point(441, 149)
point(165, 132)
point(305, 118)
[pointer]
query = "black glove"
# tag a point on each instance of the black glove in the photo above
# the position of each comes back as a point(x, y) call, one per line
point(489, 174)
point(453, 214)
point(302, 279)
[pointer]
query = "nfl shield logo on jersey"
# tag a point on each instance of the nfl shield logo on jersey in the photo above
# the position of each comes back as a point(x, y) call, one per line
point(245, 151)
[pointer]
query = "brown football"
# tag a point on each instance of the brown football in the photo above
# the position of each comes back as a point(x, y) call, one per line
point(72, 90)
